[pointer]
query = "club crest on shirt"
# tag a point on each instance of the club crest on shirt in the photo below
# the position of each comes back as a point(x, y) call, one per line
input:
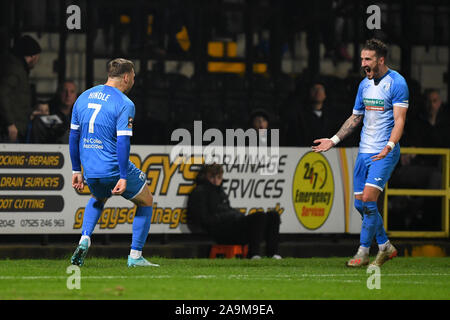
point(386, 86)
point(130, 122)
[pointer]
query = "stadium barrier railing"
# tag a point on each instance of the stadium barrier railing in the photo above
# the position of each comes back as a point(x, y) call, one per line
point(443, 193)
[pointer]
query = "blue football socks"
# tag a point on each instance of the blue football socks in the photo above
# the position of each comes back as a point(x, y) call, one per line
point(141, 227)
point(381, 235)
point(371, 219)
point(92, 213)
point(369, 224)
point(360, 207)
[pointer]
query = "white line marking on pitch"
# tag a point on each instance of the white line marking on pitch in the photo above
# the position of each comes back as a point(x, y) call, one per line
point(362, 275)
point(84, 277)
point(243, 277)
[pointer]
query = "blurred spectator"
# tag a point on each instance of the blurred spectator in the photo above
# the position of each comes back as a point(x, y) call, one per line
point(209, 210)
point(55, 128)
point(15, 92)
point(333, 30)
point(429, 128)
point(41, 108)
point(62, 107)
point(65, 97)
point(259, 120)
point(305, 122)
point(325, 21)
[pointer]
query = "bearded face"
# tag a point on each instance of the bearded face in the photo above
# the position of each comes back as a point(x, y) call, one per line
point(370, 63)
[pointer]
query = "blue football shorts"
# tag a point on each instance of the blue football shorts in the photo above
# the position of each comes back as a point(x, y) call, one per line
point(101, 187)
point(374, 173)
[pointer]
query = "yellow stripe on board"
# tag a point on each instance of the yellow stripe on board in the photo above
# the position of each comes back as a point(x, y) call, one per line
point(345, 182)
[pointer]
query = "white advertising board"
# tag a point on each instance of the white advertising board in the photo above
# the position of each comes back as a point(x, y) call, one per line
point(311, 191)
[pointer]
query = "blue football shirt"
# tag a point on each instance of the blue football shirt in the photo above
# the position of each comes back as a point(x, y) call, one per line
point(376, 102)
point(101, 114)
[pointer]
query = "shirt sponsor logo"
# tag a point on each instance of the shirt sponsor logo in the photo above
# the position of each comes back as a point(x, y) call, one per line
point(374, 104)
point(92, 143)
point(374, 108)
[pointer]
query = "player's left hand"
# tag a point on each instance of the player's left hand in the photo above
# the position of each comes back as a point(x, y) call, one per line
point(382, 154)
point(77, 181)
point(120, 187)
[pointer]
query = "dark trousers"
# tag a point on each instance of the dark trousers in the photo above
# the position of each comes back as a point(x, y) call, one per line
point(251, 229)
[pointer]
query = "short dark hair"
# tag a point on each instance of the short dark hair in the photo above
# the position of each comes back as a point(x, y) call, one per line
point(213, 169)
point(376, 45)
point(259, 113)
point(119, 66)
point(429, 91)
point(315, 83)
point(61, 85)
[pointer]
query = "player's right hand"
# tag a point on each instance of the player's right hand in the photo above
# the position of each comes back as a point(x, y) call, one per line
point(77, 181)
point(324, 144)
point(120, 187)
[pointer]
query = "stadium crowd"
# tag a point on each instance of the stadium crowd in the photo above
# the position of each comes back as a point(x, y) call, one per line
point(301, 109)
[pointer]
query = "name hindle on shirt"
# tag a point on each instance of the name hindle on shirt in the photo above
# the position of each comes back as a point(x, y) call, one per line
point(99, 95)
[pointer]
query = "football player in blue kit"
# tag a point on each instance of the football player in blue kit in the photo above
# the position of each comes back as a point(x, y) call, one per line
point(381, 104)
point(100, 131)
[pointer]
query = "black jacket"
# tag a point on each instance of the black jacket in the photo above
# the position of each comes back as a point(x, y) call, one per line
point(209, 207)
point(15, 93)
point(421, 134)
point(302, 126)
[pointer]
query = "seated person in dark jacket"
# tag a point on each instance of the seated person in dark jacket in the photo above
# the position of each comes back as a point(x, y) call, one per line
point(209, 209)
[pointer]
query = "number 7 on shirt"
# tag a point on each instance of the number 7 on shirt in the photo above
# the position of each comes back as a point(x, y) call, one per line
point(97, 108)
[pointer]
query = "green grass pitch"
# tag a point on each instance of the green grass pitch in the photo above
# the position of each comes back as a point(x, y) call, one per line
point(223, 279)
